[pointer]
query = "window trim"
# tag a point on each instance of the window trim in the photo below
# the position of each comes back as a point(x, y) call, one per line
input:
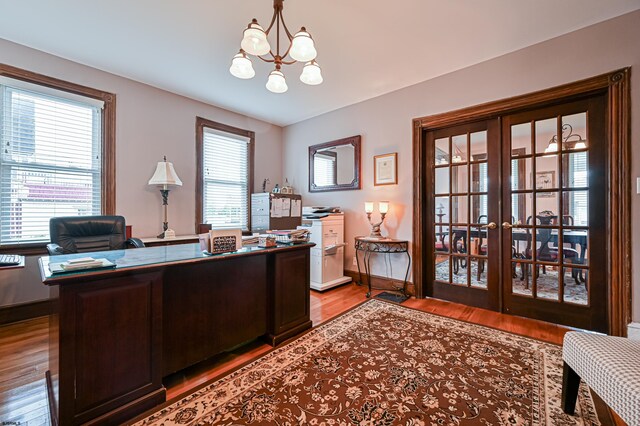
point(108, 178)
point(201, 124)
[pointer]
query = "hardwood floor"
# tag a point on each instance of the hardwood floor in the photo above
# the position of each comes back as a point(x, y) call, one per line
point(24, 356)
point(24, 350)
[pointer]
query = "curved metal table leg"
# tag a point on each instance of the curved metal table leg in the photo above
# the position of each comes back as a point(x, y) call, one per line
point(367, 268)
point(406, 275)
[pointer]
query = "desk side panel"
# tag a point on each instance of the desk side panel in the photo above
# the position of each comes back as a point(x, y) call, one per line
point(210, 307)
point(112, 330)
point(289, 294)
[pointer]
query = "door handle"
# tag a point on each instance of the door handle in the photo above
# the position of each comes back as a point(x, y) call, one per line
point(507, 225)
point(490, 225)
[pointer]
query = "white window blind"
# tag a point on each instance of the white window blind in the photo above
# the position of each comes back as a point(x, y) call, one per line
point(50, 163)
point(225, 177)
point(324, 169)
point(578, 175)
point(515, 176)
point(483, 187)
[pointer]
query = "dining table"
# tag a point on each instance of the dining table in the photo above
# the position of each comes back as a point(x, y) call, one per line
point(577, 238)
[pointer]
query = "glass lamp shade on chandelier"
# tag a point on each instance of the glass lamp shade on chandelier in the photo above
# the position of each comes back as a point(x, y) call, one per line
point(301, 49)
point(578, 141)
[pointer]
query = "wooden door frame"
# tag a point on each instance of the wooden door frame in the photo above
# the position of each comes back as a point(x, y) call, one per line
point(616, 85)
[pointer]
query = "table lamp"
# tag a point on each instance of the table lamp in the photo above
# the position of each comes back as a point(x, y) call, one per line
point(164, 177)
point(383, 207)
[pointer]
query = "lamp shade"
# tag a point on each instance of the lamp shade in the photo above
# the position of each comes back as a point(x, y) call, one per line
point(276, 82)
point(165, 175)
point(255, 40)
point(241, 66)
point(311, 74)
point(383, 206)
point(368, 207)
point(581, 144)
point(302, 47)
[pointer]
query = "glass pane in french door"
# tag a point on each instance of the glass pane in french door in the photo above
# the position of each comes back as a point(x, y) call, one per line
point(461, 203)
point(550, 208)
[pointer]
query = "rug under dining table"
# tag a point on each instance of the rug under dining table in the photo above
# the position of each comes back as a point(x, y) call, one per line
point(385, 364)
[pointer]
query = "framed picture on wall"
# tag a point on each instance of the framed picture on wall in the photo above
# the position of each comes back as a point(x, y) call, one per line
point(545, 180)
point(385, 169)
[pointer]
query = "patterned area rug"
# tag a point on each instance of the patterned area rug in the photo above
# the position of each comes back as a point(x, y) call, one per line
point(547, 283)
point(384, 364)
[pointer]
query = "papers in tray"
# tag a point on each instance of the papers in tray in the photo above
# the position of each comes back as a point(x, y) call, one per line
point(80, 264)
point(250, 239)
point(291, 236)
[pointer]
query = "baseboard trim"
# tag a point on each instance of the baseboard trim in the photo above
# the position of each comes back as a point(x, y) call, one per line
point(24, 311)
point(381, 283)
point(633, 330)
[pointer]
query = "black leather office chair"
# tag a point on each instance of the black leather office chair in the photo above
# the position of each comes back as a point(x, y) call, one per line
point(78, 234)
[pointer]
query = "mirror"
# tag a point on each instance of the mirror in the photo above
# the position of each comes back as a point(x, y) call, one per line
point(335, 166)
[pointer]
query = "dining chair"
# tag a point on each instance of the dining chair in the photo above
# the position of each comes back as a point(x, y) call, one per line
point(442, 246)
point(546, 252)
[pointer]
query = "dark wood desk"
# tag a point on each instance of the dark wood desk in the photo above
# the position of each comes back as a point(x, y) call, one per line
point(115, 333)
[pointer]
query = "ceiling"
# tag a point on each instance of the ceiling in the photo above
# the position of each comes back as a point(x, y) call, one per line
point(366, 47)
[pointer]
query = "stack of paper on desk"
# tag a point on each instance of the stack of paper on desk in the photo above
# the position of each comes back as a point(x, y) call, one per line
point(250, 239)
point(79, 264)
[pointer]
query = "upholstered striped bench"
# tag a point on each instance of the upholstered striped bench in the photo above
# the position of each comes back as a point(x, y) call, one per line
point(610, 366)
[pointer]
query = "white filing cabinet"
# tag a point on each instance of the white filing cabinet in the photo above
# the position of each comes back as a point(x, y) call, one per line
point(327, 257)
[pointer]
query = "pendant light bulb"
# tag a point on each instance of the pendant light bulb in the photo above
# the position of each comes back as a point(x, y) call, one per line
point(302, 47)
point(311, 74)
point(241, 66)
point(276, 82)
point(255, 40)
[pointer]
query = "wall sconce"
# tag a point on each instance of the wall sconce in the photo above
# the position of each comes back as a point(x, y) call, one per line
point(383, 208)
point(164, 177)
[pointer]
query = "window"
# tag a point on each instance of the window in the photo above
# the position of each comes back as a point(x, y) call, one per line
point(325, 169)
point(225, 173)
point(483, 187)
point(51, 163)
point(579, 203)
point(515, 182)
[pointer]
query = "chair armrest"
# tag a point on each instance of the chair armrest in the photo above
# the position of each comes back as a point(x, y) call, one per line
point(134, 242)
point(54, 249)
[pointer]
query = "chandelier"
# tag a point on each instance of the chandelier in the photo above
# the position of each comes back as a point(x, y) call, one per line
point(577, 140)
point(254, 42)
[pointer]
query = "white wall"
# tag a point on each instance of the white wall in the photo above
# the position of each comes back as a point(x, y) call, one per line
point(150, 123)
point(385, 123)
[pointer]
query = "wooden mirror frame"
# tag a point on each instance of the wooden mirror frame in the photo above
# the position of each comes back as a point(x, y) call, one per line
point(356, 183)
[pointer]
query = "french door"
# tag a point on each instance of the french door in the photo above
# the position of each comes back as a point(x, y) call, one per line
point(553, 214)
point(517, 213)
point(465, 240)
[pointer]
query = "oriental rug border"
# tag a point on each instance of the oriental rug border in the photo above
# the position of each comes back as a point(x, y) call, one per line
point(383, 363)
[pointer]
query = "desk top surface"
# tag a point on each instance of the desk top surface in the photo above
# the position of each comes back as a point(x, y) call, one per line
point(147, 257)
point(147, 240)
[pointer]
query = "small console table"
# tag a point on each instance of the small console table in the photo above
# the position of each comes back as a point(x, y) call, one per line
point(368, 246)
